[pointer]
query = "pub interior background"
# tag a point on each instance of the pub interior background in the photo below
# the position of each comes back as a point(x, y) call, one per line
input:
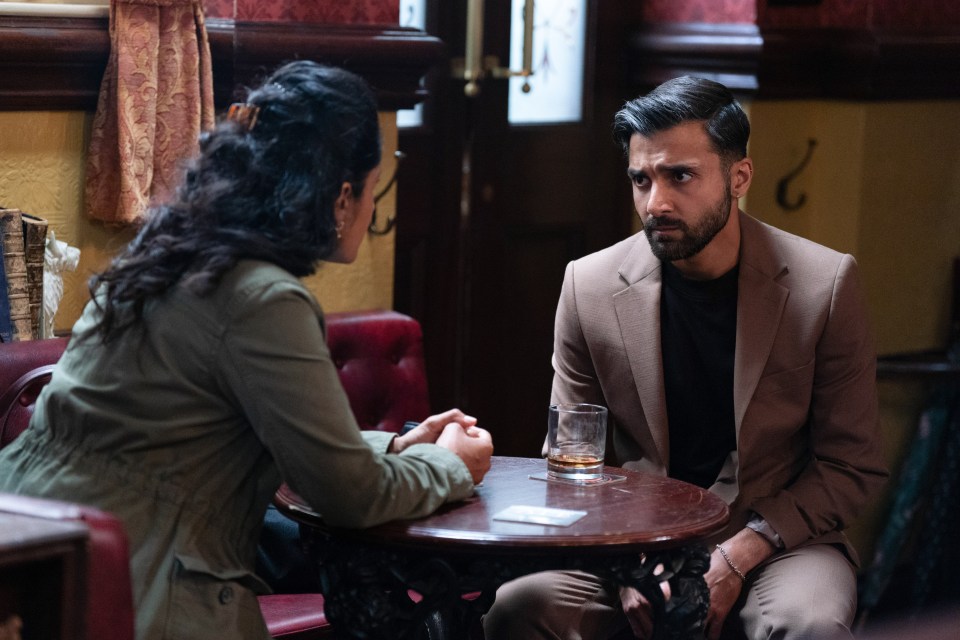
point(854, 110)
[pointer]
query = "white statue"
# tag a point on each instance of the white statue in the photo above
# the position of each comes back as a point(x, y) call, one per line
point(58, 257)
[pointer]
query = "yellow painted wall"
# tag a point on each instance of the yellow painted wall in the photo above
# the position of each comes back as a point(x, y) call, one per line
point(41, 172)
point(368, 282)
point(883, 185)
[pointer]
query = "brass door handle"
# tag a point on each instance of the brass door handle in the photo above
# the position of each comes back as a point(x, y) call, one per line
point(474, 66)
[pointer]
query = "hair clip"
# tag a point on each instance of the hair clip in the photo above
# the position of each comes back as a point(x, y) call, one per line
point(244, 113)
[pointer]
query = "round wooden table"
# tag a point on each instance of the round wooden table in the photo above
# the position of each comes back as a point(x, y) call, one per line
point(628, 529)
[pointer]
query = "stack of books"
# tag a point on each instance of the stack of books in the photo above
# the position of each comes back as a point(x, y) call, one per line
point(24, 239)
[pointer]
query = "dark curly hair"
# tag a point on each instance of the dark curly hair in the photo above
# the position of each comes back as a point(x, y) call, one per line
point(266, 193)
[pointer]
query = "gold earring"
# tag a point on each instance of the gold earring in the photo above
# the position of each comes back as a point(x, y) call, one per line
point(340, 230)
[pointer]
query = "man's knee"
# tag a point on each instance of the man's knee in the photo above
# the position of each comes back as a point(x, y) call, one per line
point(552, 605)
point(797, 621)
point(519, 610)
point(806, 593)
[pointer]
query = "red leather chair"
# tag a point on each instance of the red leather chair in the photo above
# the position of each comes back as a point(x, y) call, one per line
point(296, 616)
point(379, 356)
point(24, 368)
point(109, 605)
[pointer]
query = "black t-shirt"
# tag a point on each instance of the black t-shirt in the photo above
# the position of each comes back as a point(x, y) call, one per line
point(698, 322)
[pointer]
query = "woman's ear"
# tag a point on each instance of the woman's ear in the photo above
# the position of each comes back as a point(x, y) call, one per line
point(346, 194)
point(342, 207)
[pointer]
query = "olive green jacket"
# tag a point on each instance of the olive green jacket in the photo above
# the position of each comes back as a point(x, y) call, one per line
point(184, 429)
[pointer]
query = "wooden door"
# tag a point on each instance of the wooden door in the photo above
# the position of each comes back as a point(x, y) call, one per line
point(491, 212)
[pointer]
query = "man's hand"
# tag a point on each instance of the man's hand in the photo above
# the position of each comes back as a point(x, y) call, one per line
point(430, 429)
point(639, 611)
point(725, 587)
point(746, 549)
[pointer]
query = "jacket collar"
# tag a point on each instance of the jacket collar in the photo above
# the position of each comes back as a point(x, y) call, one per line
point(760, 304)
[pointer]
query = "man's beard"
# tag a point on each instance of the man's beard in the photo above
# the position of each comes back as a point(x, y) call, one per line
point(692, 240)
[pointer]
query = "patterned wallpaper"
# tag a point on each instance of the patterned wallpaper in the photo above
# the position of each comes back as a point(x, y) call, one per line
point(915, 14)
point(41, 172)
point(326, 11)
point(218, 8)
point(828, 13)
point(713, 11)
point(863, 13)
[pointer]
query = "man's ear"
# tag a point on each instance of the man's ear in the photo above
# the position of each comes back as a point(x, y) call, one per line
point(741, 175)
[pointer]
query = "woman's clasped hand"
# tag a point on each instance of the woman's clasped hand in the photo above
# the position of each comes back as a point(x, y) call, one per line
point(456, 431)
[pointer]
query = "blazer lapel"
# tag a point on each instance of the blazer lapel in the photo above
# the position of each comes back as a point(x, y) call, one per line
point(638, 314)
point(760, 304)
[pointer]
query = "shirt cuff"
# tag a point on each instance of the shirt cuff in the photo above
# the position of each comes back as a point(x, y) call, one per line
point(379, 441)
point(761, 526)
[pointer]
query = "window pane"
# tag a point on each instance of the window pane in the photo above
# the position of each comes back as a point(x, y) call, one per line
point(413, 13)
point(556, 88)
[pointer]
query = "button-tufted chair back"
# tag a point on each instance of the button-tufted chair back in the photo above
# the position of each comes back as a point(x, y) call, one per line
point(379, 356)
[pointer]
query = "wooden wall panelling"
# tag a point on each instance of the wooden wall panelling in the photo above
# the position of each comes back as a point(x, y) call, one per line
point(728, 53)
point(393, 59)
point(860, 64)
point(57, 63)
point(785, 63)
point(51, 63)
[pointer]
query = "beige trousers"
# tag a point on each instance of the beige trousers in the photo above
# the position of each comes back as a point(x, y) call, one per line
point(803, 594)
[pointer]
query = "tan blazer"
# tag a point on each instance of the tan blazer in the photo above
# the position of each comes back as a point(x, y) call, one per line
point(808, 443)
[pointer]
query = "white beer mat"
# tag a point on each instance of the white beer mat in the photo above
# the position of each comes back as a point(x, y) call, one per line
point(539, 515)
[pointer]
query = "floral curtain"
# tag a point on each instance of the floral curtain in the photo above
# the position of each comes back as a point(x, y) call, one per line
point(155, 98)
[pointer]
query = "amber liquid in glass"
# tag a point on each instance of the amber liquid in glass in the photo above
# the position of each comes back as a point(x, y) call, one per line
point(575, 465)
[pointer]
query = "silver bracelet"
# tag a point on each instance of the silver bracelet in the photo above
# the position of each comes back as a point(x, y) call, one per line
point(733, 567)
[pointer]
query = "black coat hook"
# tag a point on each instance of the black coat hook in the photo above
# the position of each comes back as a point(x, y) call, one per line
point(391, 221)
point(784, 183)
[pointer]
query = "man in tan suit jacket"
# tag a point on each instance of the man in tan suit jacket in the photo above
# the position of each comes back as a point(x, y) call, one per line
point(732, 355)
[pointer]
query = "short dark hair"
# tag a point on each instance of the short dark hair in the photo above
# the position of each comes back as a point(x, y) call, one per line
point(687, 99)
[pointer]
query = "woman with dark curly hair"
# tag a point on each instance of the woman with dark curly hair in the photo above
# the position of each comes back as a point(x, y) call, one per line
point(198, 377)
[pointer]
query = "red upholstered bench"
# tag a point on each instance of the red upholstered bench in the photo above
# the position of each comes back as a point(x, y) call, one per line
point(298, 615)
point(379, 356)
